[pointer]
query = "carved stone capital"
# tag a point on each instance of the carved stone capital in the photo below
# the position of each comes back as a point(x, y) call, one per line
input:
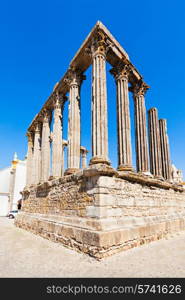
point(139, 89)
point(37, 127)
point(121, 71)
point(58, 100)
point(99, 45)
point(74, 77)
point(46, 116)
point(83, 150)
point(29, 135)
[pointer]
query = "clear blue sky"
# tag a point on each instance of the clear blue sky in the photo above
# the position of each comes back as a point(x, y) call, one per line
point(39, 39)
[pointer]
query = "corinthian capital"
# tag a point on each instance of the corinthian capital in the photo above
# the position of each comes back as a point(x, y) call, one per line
point(74, 77)
point(121, 71)
point(99, 44)
point(139, 89)
point(46, 115)
point(29, 135)
point(37, 126)
point(58, 100)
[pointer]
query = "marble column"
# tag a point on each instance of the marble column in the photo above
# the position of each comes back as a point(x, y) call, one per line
point(121, 74)
point(64, 144)
point(142, 160)
point(37, 154)
point(74, 132)
point(84, 157)
point(57, 153)
point(99, 104)
point(165, 150)
point(45, 148)
point(29, 163)
point(154, 143)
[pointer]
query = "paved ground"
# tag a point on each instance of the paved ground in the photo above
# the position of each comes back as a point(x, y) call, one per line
point(23, 254)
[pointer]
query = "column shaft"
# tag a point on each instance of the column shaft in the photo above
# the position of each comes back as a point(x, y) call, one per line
point(84, 161)
point(37, 155)
point(74, 133)
point(57, 159)
point(123, 118)
point(29, 163)
point(84, 152)
point(99, 110)
point(64, 144)
point(45, 149)
point(74, 128)
point(142, 160)
point(165, 150)
point(154, 143)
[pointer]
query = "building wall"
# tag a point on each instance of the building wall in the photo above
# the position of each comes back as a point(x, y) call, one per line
point(12, 182)
point(5, 180)
point(20, 182)
point(4, 190)
point(4, 204)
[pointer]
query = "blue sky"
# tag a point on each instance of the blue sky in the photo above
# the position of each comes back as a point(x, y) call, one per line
point(39, 39)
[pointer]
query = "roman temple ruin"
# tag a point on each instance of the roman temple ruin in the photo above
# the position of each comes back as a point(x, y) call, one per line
point(95, 208)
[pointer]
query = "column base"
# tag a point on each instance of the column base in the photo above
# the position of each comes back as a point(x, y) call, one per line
point(146, 173)
point(125, 168)
point(159, 177)
point(71, 171)
point(99, 160)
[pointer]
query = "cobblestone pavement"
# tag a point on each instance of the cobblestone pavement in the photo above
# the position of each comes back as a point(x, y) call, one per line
point(23, 254)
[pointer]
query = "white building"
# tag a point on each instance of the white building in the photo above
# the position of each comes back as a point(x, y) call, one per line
point(12, 182)
point(177, 175)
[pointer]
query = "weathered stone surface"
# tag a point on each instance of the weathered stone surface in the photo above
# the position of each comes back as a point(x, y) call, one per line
point(121, 74)
point(74, 80)
point(99, 101)
point(154, 143)
point(99, 243)
point(142, 162)
point(57, 154)
point(101, 215)
point(165, 151)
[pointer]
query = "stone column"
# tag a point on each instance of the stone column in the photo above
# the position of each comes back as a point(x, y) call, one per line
point(142, 160)
point(45, 149)
point(37, 154)
point(121, 74)
point(154, 143)
point(57, 154)
point(99, 103)
point(84, 157)
point(165, 150)
point(64, 144)
point(29, 163)
point(12, 182)
point(74, 80)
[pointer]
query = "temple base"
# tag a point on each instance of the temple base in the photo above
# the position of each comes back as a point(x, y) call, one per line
point(99, 211)
point(98, 243)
